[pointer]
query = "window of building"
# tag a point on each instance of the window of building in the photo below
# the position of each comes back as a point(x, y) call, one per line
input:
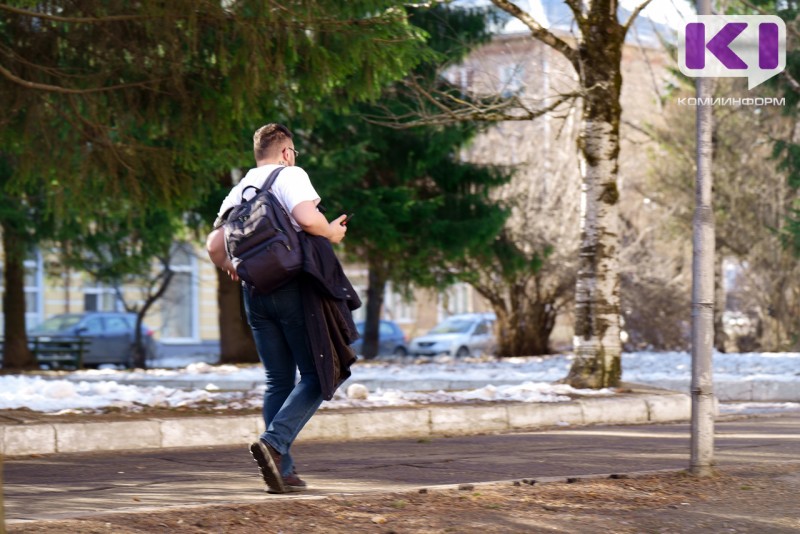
point(361, 313)
point(512, 80)
point(100, 298)
point(179, 313)
point(34, 290)
point(396, 307)
point(456, 299)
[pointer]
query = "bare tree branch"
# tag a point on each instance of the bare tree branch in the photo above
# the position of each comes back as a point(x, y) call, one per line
point(793, 83)
point(765, 12)
point(539, 31)
point(507, 110)
point(633, 16)
point(576, 6)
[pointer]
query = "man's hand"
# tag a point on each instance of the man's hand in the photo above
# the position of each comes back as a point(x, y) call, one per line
point(315, 223)
point(337, 230)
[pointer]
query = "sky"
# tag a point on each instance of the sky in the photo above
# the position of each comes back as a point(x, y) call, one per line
point(669, 12)
point(672, 13)
point(96, 390)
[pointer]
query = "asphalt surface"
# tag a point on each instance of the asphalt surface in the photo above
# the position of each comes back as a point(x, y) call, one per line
point(60, 486)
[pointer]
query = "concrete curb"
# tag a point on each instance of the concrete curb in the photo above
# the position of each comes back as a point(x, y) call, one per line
point(419, 422)
point(754, 390)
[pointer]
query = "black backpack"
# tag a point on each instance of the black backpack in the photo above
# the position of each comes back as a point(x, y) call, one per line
point(260, 240)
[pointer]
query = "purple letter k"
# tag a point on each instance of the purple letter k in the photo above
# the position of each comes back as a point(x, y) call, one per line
point(718, 45)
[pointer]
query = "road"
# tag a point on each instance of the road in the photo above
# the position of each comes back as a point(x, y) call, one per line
point(71, 485)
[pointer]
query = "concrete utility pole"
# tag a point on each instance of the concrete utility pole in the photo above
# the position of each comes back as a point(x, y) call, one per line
point(2, 509)
point(702, 442)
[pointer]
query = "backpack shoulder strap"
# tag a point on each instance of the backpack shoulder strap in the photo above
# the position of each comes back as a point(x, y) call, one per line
point(271, 178)
point(266, 185)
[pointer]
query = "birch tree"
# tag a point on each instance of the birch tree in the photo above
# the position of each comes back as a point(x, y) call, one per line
point(594, 52)
point(595, 55)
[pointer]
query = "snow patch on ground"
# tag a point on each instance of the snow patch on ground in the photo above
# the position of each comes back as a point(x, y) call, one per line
point(100, 389)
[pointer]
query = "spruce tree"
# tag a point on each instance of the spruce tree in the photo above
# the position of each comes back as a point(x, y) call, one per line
point(418, 206)
point(148, 103)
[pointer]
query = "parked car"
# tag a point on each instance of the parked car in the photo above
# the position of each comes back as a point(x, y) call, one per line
point(460, 336)
point(110, 335)
point(391, 339)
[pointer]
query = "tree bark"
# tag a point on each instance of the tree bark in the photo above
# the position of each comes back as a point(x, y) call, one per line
point(525, 331)
point(139, 353)
point(702, 389)
point(16, 354)
point(597, 342)
point(375, 290)
point(236, 343)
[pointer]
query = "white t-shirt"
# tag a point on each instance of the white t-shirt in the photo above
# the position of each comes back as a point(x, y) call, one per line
point(291, 187)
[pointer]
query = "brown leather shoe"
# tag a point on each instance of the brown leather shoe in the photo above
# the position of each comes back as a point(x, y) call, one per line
point(294, 483)
point(269, 463)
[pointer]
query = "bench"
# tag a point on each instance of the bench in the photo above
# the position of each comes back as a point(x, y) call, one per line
point(57, 351)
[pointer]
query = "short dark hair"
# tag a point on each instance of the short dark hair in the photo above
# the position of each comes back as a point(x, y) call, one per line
point(267, 139)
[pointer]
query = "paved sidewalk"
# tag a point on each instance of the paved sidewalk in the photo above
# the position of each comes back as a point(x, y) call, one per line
point(640, 405)
point(86, 484)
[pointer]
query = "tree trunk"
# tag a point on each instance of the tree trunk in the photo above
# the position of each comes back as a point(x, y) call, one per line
point(236, 343)
point(525, 331)
point(139, 352)
point(16, 354)
point(375, 290)
point(702, 388)
point(597, 342)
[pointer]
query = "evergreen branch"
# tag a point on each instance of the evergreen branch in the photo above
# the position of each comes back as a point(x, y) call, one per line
point(629, 23)
point(540, 32)
point(330, 22)
point(68, 90)
point(73, 20)
point(50, 71)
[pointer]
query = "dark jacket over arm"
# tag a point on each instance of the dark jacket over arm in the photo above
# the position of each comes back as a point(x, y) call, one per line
point(328, 299)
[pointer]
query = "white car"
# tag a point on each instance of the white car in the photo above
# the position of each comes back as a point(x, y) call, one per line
point(460, 336)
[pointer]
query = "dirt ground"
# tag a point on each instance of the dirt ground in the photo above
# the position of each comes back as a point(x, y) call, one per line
point(762, 499)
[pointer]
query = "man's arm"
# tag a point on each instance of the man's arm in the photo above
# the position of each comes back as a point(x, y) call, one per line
point(315, 223)
point(215, 245)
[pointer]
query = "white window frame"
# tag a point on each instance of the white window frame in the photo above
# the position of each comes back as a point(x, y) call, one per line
point(396, 308)
point(455, 300)
point(194, 297)
point(33, 318)
point(100, 289)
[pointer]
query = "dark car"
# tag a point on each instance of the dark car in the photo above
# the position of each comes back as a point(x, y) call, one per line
point(391, 339)
point(109, 335)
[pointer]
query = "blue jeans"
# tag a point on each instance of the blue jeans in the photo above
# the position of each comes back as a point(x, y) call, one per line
point(279, 330)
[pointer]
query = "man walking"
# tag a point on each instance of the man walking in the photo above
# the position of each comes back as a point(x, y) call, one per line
point(279, 320)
